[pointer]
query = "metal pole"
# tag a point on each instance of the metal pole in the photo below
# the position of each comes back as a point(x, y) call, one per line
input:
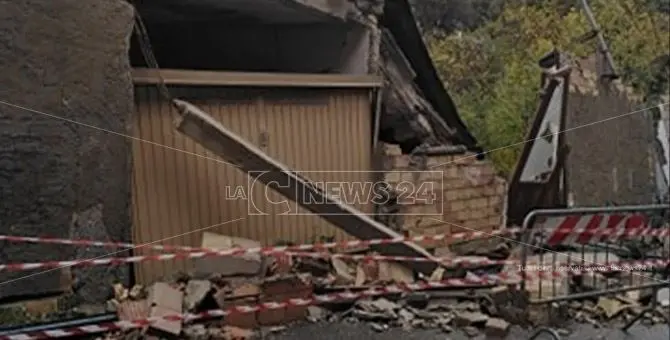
point(604, 49)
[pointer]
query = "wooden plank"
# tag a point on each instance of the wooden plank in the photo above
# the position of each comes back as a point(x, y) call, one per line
point(202, 128)
point(145, 76)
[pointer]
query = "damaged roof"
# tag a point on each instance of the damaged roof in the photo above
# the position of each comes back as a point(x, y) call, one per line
point(400, 22)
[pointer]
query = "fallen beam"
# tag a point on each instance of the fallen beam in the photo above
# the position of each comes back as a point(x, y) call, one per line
point(211, 134)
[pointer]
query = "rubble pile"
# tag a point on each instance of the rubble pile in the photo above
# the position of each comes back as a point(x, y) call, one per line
point(222, 283)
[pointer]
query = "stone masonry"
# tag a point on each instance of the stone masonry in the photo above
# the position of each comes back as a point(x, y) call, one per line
point(453, 193)
point(69, 60)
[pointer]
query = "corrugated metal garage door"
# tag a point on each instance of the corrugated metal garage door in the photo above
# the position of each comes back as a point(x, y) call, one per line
point(324, 125)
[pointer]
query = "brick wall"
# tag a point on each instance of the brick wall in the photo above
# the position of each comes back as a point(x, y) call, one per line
point(452, 193)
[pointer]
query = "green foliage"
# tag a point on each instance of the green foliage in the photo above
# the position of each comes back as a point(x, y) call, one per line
point(492, 70)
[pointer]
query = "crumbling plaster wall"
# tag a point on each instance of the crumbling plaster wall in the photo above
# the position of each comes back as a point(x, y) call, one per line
point(468, 194)
point(67, 58)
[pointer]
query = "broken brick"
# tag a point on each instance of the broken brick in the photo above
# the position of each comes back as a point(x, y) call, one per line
point(132, 310)
point(243, 294)
point(282, 289)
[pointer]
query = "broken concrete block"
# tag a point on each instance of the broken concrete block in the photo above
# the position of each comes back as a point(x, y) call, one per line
point(611, 307)
point(165, 300)
point(196, 291)
point(463, 319)
point(395, 272)
point(499, 295)
point(380, 308)
point(164, 295)
point(316, 313)
point(169, 326)
point(248, 264)
point(343, 273)
point(496, 328)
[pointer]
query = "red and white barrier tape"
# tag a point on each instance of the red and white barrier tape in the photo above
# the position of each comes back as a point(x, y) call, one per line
point(200, 252)
point(300, 247)
point(659, 232)
point(111, 261)
point(464, 261)
point(335, 297)
point(597, 226)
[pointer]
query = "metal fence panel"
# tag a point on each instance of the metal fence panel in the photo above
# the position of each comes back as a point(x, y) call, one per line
point(588, 252)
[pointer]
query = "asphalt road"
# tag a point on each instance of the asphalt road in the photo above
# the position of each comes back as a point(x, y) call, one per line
point(363, 331)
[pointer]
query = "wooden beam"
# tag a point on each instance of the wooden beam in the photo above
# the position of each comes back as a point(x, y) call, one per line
point(212, 135)
point(146, 76)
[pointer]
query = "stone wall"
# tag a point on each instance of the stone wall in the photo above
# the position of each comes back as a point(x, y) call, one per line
point(468, 195)
point(68, 59)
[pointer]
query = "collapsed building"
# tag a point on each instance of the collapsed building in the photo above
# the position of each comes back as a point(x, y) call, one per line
point(345, 90)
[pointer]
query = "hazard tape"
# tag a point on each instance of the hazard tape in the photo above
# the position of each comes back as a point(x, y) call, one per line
point(593, 227)
point(316, 299)
point(190, 252)
point(112, 261)
point(343, 244)
point(658, 232)
point(463, 261)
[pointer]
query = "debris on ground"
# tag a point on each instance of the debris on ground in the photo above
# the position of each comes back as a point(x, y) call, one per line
point(476, 311)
